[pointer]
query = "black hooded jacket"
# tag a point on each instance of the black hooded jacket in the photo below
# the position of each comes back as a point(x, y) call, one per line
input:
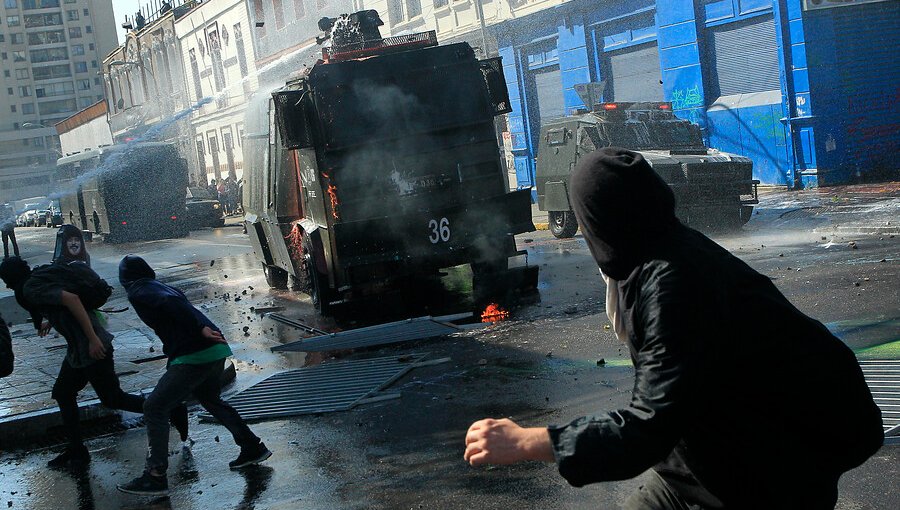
point(739, 400)
point(165, 309)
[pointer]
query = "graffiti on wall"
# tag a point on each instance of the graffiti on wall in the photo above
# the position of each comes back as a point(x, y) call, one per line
point(686, 98)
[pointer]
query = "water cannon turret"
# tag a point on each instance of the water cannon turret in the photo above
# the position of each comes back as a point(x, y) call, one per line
point(348, 30)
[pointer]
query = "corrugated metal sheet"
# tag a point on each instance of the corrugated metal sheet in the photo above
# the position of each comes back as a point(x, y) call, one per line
point(382, 334)
point(745, 56)
point(883, 378)
point(329, 387)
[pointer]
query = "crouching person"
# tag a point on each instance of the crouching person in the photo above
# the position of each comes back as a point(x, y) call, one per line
point(197, 351)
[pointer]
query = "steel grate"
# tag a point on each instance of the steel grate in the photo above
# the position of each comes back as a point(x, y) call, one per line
point(883, 378)
point(382, 334)
point(329, 387)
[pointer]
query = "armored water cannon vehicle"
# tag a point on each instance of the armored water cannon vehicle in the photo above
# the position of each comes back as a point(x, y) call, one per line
point(713, 189)
point(380, 166)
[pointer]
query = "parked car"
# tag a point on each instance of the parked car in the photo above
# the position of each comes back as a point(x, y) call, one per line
point(27, 218)
point(203, 209)
point(40, 219)
point(53, 218)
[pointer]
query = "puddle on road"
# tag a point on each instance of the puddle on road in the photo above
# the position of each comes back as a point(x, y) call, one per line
point(869, 338)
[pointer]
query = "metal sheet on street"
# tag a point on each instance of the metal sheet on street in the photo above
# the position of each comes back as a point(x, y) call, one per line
point(883, 378)
point(329, 387)
point(382, 334)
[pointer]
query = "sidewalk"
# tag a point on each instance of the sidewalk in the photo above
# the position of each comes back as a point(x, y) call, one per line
point(27, 410)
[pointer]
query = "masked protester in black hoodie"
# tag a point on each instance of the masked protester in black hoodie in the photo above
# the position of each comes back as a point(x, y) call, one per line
point(197, 351)
point(717, 427)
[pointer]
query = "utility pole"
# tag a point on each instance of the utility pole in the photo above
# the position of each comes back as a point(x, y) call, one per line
point(479, 9)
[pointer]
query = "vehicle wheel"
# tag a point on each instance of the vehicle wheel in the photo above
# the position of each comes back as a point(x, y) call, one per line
point(276, 277)
point(562, 224)
point(746, 213)
point(316, 284)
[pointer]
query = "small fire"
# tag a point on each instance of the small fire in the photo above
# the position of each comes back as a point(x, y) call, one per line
point(494, 313)
point(332, 193)
point(295, 241)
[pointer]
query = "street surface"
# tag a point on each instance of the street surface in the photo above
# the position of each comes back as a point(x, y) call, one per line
point(835, 253)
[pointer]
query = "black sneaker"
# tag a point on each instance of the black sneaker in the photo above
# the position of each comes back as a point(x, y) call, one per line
point(251, 456)
point(72, 457)
point(146, 485)
point(179, 419)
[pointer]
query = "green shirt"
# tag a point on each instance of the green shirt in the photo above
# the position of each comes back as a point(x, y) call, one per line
point(208, 355)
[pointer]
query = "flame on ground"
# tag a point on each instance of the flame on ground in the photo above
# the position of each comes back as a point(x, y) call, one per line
point(494, 313)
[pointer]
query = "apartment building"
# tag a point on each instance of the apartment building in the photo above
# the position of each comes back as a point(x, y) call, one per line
point(50, 54)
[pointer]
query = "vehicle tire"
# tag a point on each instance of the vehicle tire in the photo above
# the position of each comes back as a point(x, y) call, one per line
point(316, 284)
point(746, 213)
point(562, 224)
point(276, 277)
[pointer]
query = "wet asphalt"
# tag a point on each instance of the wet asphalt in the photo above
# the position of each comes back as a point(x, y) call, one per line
point(539, 367)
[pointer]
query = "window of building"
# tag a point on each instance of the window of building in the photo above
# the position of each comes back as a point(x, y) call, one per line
point(2, 37)
point(49, 55)
point(88, 29)
point(3, 56)
point(80, 67)
point(17, 38)
point(259, 15)
point(37, 141)
point(9, 90)
point(25, 91)
point(6, 73)
point(55, 89)
point(12, 21)
point(21, 74)
point(84, 102)
point(71, 1)
point(10, 4)
point(86, 12)
point(18, 56)
point(402, 10)
point(47, 37)
point(440, 3)
point(39, 4)
point(413, 8)
point(28, 109)
point(43, 20)
point(49, 72)
point(84, 84)
point(58, 106)
point(94, 64)
point(278, 10)
point(96, 81)
point(299, 8)
point(91, 46)
point(12, 108)
point(74, 32)
point(72, 15)
point(77, 49)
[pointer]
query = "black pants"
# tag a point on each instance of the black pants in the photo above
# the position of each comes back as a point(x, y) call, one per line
point(102, 376)
point(9, 235)
point(204, 382)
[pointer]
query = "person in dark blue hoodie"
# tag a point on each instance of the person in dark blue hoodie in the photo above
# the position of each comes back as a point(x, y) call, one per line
point(197, 351)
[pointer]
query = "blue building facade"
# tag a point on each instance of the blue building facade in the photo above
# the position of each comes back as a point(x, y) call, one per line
point(811, 96)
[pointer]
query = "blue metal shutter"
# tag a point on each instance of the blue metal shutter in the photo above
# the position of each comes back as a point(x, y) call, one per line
point(635, 74)
point(548, 86)
point(745, 57)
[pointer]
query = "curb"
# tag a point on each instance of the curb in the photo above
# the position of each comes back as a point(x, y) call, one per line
point(16, 430)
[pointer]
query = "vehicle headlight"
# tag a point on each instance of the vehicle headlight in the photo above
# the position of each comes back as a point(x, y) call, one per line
point(216, 206)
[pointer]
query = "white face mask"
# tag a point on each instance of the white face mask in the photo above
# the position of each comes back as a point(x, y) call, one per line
point(612, 307)
point(74, 246)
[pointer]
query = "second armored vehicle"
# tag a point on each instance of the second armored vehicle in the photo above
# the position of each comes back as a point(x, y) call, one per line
point(713, 189)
